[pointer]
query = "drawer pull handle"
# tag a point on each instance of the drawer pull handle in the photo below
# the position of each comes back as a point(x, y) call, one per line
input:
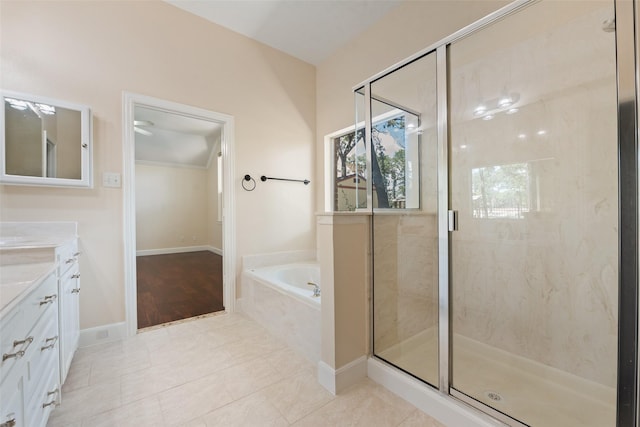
point(10, 423)
point(44, 405)
point(18, 354)
point(51, 393)
point(75, 276)
point(75, 291)
point(24, 341)
point(48, 299)
point(47, 347)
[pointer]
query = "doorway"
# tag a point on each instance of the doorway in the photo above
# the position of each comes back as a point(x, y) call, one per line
point(179, 238)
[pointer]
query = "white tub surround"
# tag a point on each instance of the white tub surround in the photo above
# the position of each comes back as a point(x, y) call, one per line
point(39, 317)
point(344, 268)
point(298, 280)
point(278, 297)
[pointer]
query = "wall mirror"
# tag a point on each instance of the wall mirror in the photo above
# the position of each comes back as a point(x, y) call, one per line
point(45, 142)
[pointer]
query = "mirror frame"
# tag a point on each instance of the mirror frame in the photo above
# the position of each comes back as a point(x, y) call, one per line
point(86, 145)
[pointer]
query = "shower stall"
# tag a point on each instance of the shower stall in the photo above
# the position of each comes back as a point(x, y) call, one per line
point(502, 185)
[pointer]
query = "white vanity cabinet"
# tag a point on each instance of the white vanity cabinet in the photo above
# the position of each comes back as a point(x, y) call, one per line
point(69, 319)
point(29, 370)
point(39, 325)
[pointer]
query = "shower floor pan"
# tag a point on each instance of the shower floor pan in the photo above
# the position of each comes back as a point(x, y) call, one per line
point(536, 394)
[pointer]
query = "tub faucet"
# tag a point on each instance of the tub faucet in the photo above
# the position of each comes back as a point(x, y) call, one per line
point(316, 289)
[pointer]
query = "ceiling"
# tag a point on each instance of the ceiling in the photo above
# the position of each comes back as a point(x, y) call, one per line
point(175, 139)
point(310, 30)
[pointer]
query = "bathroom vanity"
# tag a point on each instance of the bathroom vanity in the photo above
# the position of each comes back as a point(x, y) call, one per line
point(39, 318)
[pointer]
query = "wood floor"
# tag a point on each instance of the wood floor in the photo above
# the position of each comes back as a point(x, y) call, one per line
point(178, 286)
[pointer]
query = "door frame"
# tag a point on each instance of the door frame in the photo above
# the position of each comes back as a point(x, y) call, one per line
point(130, 101)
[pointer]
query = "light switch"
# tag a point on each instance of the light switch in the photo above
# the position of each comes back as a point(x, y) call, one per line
point(111, 179)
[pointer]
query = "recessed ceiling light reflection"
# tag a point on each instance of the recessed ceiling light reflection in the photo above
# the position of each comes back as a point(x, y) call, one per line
point(542, 132)
point(522, 136)
point(411, 126)
point(463, 146)
point(480, 110)
point(487, 117)
point(505, 102)
point(512, 110)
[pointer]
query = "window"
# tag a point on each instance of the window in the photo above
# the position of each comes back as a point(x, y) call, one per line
point(395, 161)
point(350, 182)
point(395, 166)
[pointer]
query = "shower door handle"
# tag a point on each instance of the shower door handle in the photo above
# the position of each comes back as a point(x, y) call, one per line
point(452, 220)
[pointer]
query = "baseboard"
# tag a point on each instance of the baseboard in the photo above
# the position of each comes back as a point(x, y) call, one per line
point(337, 380)
point(165, 251)
point(443, 408)
point(103, 334)
point(215, 250)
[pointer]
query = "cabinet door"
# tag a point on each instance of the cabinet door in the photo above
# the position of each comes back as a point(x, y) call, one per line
point(69, 319)
point(12, 401)
point(45, 398)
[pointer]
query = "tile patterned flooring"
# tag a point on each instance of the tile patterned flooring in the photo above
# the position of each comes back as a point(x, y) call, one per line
point(222, 370)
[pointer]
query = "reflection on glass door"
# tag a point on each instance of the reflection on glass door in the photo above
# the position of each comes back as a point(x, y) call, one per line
point(534, 262)
point(404, 195)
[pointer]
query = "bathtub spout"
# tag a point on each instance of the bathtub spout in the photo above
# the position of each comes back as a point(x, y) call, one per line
point(316, 289)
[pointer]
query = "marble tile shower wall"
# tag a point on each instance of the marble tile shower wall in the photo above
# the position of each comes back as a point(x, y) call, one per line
point(545, 286)
point(406, 277)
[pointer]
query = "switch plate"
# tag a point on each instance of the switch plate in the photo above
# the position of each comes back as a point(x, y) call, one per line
point(111, 179)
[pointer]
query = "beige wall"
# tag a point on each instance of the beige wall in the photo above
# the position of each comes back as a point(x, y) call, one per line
point(344, 264)
point(172, 207)
point(90, 52)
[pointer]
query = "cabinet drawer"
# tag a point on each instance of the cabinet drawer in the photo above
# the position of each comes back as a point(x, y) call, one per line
point(11, 329)
point(42, 300)
point(44, 356)
point(17, 332)
point(67, 256)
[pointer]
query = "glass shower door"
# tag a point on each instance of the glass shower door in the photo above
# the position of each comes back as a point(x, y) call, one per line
point(404, 221)
point(533, 176)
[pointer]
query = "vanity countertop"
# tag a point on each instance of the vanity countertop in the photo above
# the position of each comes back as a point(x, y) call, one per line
point(27, 242)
